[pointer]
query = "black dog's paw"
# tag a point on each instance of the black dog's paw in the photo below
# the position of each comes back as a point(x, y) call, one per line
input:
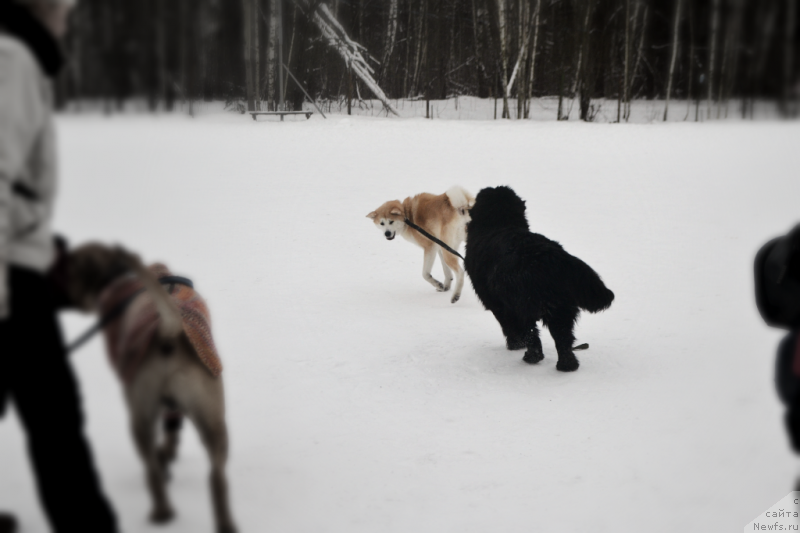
point(515, 343)
point(567, 364)
point(533, 356)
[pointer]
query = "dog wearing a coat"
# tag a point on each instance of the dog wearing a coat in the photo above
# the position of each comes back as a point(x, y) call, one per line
point(524, 277)
point(444, 216)
point(159, 343)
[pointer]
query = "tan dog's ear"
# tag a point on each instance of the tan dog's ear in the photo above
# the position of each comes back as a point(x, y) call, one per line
point(396, 211)
point(373, 215)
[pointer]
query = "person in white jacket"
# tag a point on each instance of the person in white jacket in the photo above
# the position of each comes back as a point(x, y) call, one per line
point(34, 371)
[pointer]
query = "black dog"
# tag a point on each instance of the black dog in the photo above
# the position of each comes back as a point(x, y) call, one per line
point(523, 277)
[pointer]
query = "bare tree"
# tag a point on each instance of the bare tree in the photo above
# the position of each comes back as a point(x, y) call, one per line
point(250, 81)
point(674, 54)
point(349, 50)
point(788, 59)
point(479, 36)
point(714, 30)
point(256, 55)
point(502, 31)
point(730, 54)
point(690, 77)
point(584, 69)
point(391, 36)
point(639, 56)
point(272, 47)
point(531, 69)
point(625, 84)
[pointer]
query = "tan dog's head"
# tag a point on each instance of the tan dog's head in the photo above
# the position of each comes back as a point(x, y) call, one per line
point(91, 267)
point(389, 218)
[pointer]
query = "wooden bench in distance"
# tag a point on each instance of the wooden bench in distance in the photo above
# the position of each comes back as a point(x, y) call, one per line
point(255, 114)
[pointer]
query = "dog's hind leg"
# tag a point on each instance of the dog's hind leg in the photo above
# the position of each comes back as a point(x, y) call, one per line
point(427, 265)
point(561, 322)
point(210, 421)
point(172, 422)
point(144, 414)
point(201, 397)
point(448, 274)
point(451, 261)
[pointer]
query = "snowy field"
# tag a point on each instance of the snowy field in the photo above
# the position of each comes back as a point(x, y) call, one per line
point(361, 400)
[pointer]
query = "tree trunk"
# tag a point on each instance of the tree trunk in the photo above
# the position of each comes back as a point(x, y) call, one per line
point(583, 34)
point(787, 105)
point(256, 51)
point(272, 47)
point(418, 56)
point(478, 30)
point(639, 54)
point(291, 50)
point(247, 27)
point(561, 53)
point(675, 26)
point(502, 31)
point(628, 89)
point(714, 30)
point(523, 34)
point(529, 90)
point(760, 66)
point(391, 35)
point(584, 73)
point(691, 62)
point(730, 54)
point(626, 67)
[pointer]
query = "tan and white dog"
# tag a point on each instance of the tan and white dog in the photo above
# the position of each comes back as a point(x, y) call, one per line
point(444, 216)
point(159, 343)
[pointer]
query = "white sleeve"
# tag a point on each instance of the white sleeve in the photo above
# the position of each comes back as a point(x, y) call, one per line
point(21, 109)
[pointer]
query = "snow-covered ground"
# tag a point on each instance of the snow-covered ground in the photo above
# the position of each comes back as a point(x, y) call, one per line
point(360, 400)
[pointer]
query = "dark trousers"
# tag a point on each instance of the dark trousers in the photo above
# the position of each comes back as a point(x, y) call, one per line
point(35, 374)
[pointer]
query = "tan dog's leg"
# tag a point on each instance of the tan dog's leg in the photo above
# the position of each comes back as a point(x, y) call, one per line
point(427, 265)
point(144, 412)
point(214, 434)
point(172, 421)
point(448, 274)
point(452, 262)
point(201, 396)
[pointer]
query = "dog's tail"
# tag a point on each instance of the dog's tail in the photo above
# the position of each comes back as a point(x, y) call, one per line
point(590, 292)
point(460, 199)
point(171, 323)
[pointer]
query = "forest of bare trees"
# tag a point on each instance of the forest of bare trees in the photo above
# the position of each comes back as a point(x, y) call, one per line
point(720, 56)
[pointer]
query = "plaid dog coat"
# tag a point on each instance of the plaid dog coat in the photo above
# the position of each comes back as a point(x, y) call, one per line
point(130, 335)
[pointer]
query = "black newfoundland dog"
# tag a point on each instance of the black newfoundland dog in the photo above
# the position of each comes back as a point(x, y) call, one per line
point(523, 277)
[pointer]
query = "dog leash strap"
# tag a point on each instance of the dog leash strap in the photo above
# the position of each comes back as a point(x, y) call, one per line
point(434, 239)
point(119, 308)
point(176, 280)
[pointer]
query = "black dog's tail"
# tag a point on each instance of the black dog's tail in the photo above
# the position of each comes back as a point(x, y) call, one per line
point(590, 292)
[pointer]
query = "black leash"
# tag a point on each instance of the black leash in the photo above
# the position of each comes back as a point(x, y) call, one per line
point(434, 239)
point(120, 308)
